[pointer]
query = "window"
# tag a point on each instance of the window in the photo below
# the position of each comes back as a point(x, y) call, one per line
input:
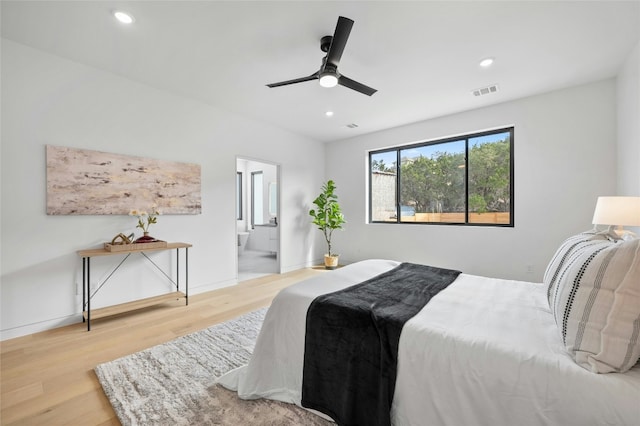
point(466, 180)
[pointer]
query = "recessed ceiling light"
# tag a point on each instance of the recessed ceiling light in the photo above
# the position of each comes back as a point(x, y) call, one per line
point(123, 17)
point(486, 62)
point(329, 113)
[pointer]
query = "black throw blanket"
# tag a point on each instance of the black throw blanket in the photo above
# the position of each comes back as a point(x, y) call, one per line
point(351, 342)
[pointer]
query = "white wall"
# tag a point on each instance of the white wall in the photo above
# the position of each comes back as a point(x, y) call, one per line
point(628, 90)
point(50, 100)
point(564, 153)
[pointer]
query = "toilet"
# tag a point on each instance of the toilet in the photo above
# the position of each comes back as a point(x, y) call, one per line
point(243, 237)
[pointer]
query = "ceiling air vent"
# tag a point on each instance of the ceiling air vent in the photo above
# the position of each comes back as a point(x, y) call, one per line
point(485, 90)
point(352, 125)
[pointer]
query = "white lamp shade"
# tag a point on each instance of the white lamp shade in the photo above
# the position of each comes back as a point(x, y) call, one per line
point(623, 211)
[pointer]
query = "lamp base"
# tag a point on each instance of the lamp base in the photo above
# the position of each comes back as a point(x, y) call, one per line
point(619, 233)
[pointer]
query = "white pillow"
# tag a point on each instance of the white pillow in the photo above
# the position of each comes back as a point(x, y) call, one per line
point(594, 295)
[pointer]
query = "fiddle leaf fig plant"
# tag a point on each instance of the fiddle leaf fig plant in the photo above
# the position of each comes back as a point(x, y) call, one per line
point(327, 215)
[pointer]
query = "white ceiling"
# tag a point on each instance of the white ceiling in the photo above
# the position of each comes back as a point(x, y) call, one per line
point(422, 56)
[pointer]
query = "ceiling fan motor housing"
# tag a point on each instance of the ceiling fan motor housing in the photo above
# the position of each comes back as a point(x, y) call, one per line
point(325, 43)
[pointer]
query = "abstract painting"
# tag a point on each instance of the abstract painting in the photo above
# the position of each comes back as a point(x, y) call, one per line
point(85, 182)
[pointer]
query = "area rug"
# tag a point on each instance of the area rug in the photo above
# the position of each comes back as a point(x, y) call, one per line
point(174, 383)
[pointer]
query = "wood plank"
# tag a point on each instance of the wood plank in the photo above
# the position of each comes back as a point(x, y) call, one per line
point(134, 305)
point(29, 391)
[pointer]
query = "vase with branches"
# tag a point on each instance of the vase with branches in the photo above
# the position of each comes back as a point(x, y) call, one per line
point(145, 220)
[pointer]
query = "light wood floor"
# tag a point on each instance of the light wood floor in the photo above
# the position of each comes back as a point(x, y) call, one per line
point(48, 379)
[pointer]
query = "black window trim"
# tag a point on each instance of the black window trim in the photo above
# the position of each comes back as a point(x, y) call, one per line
point(465, 137)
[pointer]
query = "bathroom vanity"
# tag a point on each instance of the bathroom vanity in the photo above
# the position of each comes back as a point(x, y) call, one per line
point(264, 238)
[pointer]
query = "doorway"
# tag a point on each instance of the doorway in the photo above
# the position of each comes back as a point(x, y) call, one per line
point(257, 218)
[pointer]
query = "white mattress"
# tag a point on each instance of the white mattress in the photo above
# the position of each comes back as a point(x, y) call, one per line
point(483, 351)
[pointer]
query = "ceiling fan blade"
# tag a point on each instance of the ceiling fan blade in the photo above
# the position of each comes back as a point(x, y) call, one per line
point(313, 76)
point(339, 40)
point(358, 87)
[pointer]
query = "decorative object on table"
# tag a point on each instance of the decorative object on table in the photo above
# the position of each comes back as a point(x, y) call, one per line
point(86, 182)
point(157, 244)
point(125, 243)
point(120, 242)
point(121, 239)
point(618, 212)
point(145, 219)
point(328, 217)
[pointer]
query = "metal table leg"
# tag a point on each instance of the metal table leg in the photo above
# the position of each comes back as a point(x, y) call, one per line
point(88, 294)
point(186, 288)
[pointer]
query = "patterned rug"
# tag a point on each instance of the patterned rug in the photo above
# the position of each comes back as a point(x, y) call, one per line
point(173, 383)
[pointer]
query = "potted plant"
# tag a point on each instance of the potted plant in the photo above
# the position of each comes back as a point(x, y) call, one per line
point(328, 217)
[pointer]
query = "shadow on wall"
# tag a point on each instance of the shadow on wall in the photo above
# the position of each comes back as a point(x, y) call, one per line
point(303, 227)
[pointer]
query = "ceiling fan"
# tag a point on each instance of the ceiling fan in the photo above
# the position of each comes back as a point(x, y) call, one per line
point(328, 74)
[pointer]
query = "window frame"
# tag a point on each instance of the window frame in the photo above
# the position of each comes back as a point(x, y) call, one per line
point(466, 137)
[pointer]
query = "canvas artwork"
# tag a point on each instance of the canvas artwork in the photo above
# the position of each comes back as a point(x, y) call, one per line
point(85, 182)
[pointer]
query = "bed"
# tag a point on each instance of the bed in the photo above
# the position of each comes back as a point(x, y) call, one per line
point(483, 351)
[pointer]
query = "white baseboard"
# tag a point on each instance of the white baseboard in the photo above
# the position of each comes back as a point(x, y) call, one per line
point(203, 288)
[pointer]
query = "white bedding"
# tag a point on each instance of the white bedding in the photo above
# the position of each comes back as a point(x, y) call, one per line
point(482, 352)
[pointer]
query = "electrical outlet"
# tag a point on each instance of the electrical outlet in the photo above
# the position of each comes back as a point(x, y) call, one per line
point(529, 269)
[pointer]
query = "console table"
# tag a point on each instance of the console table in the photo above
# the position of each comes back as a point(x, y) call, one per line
point(86, 255)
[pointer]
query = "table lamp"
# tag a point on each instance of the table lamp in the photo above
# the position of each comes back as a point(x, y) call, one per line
point(618, 212)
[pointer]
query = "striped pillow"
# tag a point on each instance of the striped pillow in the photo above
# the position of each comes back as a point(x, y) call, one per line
point(594, 295)
point(559, 259)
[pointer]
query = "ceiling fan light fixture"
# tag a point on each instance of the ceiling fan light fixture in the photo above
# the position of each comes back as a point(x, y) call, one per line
point(328, 79)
